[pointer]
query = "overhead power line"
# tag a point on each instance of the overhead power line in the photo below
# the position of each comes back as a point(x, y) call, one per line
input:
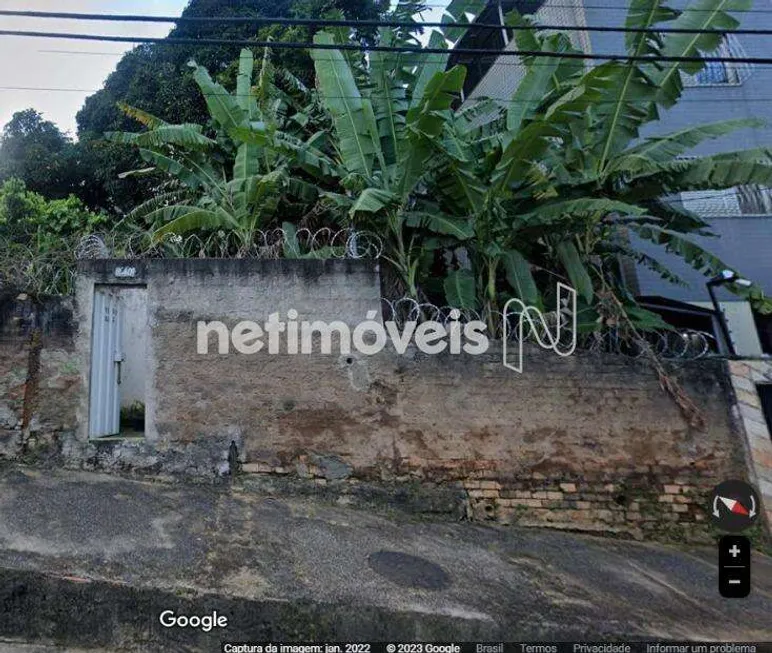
point(499, 100)
point(623, 7)
point(296, 45)
point(319, 22)
point(413, 58)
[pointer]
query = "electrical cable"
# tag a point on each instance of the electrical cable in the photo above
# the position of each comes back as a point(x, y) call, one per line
point(323, 22)
point(297, 45)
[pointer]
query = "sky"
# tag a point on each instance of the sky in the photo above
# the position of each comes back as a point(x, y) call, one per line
point(29, 63)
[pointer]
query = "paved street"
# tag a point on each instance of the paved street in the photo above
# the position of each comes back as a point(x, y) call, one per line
point(90, 560)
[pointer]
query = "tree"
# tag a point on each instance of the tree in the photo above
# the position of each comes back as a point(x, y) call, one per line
point(157, 79)
point(482, 204)
point(36, 151)
point(387, 114)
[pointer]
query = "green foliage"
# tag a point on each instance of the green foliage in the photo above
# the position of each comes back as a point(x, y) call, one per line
point(239, 179)
point(481, 203)
point(156, 78)
point(38, 238)
point(37, 152)
point(27, 216)
point(546, 186)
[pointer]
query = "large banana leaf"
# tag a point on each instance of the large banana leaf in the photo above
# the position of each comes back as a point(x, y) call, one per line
point(460, 289)
point(147, 119)
point(458, 187)
point(181, 219)
point(247, 163)
point(441, 224)
point(389, 100)
point(244, 81)
point(458, 11)
point(539, 76)
point(574, 266)
point(372, 200)
point(519, 276)
point(343, 100)
point(632, 92)
point(648, 157)
point(224, 108)
point(698, 258)
point(307, 156)
point(584, 206)
point(427, 116)
point(706, 173)
point(428, 66)
point(425, 123)
point(190, 175)
point(184, 135)
point(522, 153)
point(700, 15)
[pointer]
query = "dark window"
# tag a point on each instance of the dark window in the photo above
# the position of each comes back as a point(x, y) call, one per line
point(484, 38)
point(764, 329)
point(765, 393)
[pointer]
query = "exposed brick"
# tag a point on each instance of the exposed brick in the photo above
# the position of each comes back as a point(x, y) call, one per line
point(672, 489)
point(530, 503)
point(256, 468)
point(603, 515)
point(568, 487)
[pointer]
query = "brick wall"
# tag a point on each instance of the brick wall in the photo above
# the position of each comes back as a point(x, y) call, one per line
point(39, 380)
point(587, 442)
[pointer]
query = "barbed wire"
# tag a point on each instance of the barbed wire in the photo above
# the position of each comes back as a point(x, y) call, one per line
point(683, 344)
point(262, 244)
point(37, 271)
point(51, 271)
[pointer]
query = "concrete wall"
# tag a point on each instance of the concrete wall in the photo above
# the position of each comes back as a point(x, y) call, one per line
point(746, 375)
point(589, 442)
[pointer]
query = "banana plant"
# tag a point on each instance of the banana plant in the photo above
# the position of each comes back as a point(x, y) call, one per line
point(386, 114)
point(553, 181)
point(234, 177)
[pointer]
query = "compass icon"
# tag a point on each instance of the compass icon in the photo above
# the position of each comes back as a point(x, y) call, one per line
point(734, 506)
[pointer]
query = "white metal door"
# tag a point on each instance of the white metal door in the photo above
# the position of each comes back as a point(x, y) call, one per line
point(106, 358)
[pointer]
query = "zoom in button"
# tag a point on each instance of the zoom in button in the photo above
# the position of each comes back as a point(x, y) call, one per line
point(734, 566)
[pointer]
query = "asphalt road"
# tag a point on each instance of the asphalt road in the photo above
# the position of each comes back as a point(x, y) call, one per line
point(73, 545)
